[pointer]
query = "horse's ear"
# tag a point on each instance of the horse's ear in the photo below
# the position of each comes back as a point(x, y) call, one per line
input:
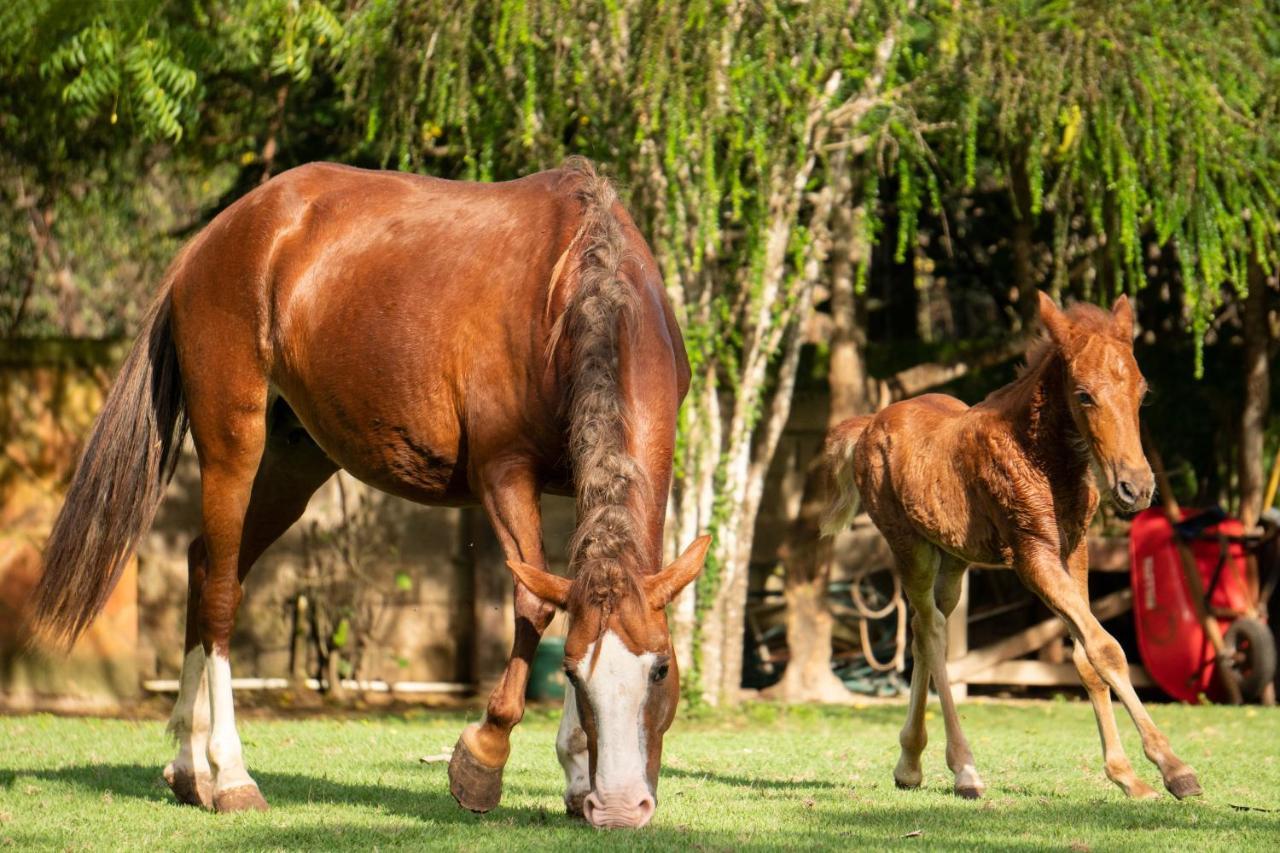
point(552, 589)
point(1055, 322)
point(666, 584)
point(1122, 315)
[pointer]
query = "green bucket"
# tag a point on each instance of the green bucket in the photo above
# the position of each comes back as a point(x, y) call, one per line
point(546, 680)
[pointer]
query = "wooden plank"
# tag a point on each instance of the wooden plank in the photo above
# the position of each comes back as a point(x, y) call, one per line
point(1035, 673)
point(1108, 553)
point(1033, 638)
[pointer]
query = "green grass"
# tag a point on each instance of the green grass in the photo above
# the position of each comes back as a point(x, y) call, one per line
point(758, 779)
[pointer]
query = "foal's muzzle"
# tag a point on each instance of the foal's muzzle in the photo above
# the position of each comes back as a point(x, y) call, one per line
point(1133, 488)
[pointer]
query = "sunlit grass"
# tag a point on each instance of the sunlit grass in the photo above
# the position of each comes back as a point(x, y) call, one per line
point(762, 778)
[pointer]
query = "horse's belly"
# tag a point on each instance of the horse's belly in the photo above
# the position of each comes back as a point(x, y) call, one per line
point(416, 455)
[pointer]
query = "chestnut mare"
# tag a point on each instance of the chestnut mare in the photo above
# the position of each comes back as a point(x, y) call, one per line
point(446, 342)
point(1011, 480)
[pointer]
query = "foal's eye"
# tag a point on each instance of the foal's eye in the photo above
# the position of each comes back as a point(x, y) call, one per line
point(659, 672)
point(1084, 398)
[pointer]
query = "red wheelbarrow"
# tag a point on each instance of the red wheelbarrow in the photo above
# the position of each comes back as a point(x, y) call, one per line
point(1178, 611)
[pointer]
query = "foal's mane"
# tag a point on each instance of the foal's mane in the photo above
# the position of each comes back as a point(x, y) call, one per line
point(1085, 317)
point(606, 548)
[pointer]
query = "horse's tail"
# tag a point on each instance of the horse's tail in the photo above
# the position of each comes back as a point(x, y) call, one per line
point(127, 462)
point(595, 319)
point(837, 458)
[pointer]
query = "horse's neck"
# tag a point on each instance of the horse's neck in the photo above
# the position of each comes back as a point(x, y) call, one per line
point(1041, 418)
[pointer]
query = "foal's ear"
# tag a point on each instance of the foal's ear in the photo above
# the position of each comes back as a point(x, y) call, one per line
point(552, 589)
point(1055, 322)
point(666, 584)
point(1122, 316)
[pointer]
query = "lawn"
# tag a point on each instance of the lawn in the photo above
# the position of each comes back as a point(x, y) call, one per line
point(761, 778)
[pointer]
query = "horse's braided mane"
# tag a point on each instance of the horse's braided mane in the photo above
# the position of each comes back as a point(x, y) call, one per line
point(605, 550)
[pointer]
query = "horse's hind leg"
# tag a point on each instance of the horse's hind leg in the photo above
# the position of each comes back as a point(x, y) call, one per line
point(252, 490)
point(188, 774)
point(291, 469)
point(510, 495)
point(1118, 768)
point(1041, 570)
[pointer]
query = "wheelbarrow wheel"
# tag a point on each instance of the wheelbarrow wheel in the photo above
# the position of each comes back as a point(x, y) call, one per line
point(1253, 647)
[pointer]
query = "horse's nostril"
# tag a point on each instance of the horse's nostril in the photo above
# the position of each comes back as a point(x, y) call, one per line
point(1126, 492)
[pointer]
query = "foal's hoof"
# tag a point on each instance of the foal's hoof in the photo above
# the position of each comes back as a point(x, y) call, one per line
point(190, 788)
point(242, 798)
point(1139, 790)
point(1184, 786)
point(907, 783)
point(475, 786)
point(969, 785)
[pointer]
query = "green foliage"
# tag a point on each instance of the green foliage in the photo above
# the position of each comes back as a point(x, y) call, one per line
point(1142, 123)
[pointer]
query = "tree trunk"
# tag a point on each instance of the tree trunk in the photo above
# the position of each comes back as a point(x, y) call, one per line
point(806, 556)
point(1253, 415)
point(1257, 393)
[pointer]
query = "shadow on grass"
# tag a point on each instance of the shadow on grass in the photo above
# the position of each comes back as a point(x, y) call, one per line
point(144, 782)
point(746, 782)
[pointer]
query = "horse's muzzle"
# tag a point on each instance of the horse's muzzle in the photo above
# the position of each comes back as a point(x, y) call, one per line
point(630, 808)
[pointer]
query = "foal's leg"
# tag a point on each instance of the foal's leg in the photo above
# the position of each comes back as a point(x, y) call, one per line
point(1118, 768)
point(1041, 570)
point(959, 756)
point(571, 749)
point(510, 495)
point(931, 581)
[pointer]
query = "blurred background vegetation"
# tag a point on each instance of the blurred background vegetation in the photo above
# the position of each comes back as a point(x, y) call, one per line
point(859, 197)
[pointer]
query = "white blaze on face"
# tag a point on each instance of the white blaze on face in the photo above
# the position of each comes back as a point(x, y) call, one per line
point(616, 689)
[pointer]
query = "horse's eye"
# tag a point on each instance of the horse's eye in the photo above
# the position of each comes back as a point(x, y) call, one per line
point(1084, 398)
point(659, 672)
point(571, 675)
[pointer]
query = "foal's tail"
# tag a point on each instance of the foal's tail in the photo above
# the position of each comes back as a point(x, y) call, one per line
point(837, 456)
point(129, 459)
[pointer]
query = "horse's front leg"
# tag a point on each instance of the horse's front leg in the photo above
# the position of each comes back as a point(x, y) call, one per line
point(571, 749)
point(510, 498)
point(1040, 569)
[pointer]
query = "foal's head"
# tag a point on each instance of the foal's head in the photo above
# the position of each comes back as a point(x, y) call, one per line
point(619, 662)
point(1104, 390)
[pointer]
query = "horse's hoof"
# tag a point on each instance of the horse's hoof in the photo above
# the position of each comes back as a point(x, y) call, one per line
point(190, 788)
point(908, 783)
point(969, 792)
point(1184, 786)
point(476, 787)
point(242, 798)
point(573, 804)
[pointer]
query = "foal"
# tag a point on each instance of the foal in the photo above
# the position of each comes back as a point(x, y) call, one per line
point(1011, 480)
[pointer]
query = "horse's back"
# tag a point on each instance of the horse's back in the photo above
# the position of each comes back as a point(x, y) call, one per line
point(403, 318)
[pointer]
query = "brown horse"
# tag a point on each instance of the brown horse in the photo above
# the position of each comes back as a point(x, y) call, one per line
point(1011, 480)
point(446, 342)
